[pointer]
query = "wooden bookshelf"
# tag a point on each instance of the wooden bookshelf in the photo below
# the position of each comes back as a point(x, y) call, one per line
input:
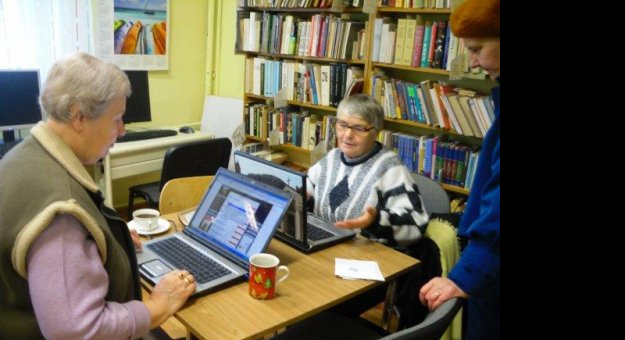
point(412, 69)
point(301, 156)
point(455, 189)
point(413, 10)
point(304, 58)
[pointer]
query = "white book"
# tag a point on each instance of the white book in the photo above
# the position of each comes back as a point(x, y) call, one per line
point(258, 62)
point(377, 40)
point(244, 34)
point(325, 85)
point(384, 46)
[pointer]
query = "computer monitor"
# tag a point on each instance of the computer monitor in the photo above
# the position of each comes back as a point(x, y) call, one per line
point(138, 104)
point(19, 104)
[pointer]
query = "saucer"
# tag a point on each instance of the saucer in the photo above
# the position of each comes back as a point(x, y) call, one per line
point(163, 226)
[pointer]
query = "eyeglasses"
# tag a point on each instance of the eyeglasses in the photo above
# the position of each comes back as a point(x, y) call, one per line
point(342, 126)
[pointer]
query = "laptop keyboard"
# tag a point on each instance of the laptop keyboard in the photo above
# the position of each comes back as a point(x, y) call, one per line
point(315, 233)
point(183, 256)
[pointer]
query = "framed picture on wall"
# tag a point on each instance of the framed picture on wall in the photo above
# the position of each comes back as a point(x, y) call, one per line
point(133, 33)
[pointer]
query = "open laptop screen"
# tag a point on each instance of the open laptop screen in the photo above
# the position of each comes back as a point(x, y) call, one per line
point(284, 179)
point(234, 212)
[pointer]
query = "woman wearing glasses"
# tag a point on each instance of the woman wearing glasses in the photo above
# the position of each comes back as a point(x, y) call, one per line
point(362, 185)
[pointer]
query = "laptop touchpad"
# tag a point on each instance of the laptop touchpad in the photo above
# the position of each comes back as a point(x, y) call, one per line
point(156, 268)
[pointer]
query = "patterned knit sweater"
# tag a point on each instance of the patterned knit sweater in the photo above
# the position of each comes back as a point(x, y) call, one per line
point(342, 191)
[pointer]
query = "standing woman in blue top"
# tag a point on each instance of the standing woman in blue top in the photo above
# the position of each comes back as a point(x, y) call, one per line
point(477, 275)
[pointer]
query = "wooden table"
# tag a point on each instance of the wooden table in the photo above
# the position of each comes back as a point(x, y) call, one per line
point(231, 314)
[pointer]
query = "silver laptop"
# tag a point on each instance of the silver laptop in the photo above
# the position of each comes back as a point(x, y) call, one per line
point(236, 219)
point(299, 229)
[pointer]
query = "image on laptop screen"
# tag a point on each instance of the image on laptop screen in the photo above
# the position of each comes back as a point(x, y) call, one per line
point(235, 219)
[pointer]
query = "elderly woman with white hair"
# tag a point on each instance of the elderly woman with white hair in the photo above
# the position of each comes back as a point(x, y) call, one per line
point(67, 262)
point(362, 185)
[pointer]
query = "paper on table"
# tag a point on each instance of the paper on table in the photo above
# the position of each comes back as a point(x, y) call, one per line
point(357, 270)
point(186, 215)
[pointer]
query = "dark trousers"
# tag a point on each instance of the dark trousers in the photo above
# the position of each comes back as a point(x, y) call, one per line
point(482, 319)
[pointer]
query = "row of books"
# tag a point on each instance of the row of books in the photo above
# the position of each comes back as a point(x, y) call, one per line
point(437, 4)
point(446, 162)
point(310, 83)
point(300, 3)
point(414, 42)
point(434, 103)
point(289, 125)
point(323, 36)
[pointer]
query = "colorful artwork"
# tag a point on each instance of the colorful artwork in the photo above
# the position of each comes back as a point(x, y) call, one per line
point(140, 27)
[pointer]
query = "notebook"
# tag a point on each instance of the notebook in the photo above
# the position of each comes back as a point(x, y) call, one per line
point(236, 219)
point(299, 229)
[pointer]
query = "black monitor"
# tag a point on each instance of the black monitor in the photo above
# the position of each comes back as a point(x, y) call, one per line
point(19, 104)
point(138, 104)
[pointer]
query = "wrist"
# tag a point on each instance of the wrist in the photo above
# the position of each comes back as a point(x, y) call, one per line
point(158, 313)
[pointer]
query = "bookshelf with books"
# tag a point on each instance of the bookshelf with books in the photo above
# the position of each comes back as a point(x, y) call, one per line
point(302, 57)
point(437, 109)
point(304, 60)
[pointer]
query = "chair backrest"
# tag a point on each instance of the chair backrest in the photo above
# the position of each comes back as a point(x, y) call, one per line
point(202, 158)
point(183, 193)
point(434, 196)
point(434, 324)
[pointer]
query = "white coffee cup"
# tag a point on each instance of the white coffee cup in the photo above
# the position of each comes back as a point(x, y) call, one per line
point(146, 219)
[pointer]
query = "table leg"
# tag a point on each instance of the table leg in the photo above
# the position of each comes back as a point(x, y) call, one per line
point(389, 305)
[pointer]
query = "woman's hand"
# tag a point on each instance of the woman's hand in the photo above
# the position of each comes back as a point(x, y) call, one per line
point(439, 290)
point(136, 240)
point(169, 295)
point(364, 221)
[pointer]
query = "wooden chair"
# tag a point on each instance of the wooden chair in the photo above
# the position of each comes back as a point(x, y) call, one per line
point(183, 193)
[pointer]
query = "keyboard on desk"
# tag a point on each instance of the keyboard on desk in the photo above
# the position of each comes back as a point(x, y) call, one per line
point(132, 136)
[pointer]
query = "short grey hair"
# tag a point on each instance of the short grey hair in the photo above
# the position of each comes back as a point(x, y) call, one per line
point(86, 81)
point(363, 107)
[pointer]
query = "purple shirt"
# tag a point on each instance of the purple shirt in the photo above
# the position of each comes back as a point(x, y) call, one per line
point(68, 286)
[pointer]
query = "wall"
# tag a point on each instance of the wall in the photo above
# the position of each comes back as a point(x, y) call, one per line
point(228, 69)
point(176, 95)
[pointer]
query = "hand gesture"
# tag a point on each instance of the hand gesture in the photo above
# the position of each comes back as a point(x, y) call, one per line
point(364, 221)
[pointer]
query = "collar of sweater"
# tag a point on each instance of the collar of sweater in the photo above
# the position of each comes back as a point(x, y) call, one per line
point(62, 153)
point(377, 147)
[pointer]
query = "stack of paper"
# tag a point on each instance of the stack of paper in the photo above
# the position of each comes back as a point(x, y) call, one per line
point(357, 270)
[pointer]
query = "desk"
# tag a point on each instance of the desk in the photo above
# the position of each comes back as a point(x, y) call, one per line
point(231, 314)
point(139, 157)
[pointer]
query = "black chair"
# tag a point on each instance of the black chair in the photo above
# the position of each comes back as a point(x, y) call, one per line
point(333, 326)
point(202, 158)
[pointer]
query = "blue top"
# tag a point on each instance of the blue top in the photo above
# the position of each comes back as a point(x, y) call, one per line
point(478, 271)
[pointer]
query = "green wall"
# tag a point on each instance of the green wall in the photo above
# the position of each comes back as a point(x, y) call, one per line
point(176, 95)
point(228, 67)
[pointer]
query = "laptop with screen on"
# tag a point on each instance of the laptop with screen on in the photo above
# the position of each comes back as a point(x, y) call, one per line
point(300, 229)
point(235, 220)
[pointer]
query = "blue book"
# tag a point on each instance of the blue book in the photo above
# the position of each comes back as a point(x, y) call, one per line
point(427, 38)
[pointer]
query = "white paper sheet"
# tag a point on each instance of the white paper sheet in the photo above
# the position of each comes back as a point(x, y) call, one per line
point(357, 270)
